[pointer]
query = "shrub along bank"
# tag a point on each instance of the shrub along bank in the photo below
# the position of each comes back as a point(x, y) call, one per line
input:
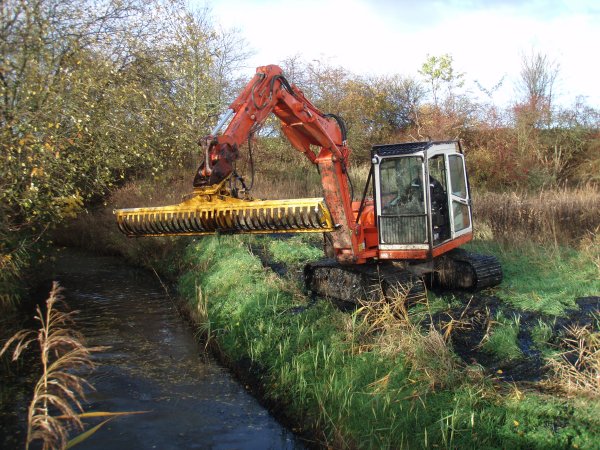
point(375, 378)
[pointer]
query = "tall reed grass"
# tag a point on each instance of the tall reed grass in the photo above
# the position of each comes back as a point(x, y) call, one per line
point(560, 215)
point(56, 406)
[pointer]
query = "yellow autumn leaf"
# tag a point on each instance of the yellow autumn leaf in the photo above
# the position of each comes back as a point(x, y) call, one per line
point(37, 172)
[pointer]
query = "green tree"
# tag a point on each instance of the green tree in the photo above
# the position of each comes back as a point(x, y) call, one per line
point(439, 71)
point(450, 112)
point(95, 92)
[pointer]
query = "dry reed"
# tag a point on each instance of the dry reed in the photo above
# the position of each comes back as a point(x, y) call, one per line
point(59, 391)
point(577, 369)
point(201, 317)
point(395, 331)
point(560, 215)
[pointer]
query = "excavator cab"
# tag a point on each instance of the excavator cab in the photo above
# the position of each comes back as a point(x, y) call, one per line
point(422, 199)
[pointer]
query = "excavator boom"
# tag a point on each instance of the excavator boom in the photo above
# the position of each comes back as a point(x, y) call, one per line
point(212, 208)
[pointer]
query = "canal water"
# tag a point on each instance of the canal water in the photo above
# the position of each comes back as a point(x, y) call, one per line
point(156, 364)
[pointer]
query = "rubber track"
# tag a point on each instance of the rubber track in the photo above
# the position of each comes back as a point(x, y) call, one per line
point(328, 278)
point(486, 269)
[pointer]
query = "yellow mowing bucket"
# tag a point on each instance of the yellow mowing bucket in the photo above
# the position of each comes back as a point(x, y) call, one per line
point(209, 214)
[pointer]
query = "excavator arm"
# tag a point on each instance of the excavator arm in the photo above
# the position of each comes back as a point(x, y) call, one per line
point(302, 123)
point(211, 208)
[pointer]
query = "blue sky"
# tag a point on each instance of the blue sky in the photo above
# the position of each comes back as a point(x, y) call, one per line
point(486, 38)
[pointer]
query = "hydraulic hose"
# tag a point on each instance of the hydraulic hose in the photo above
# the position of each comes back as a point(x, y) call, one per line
point(340, 123)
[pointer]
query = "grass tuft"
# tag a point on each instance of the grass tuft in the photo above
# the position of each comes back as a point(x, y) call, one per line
point(501, 339)
point(201, 317)
point(396, 332)
point(541, 334)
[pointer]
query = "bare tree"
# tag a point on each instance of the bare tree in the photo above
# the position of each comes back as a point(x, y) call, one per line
point(536, 85)
point(404, 96)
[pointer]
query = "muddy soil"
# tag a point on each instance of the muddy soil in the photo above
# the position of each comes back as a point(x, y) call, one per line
point(471, 323)
point(259, 251)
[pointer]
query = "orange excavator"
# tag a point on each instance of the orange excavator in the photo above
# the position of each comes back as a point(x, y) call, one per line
point(410, 228)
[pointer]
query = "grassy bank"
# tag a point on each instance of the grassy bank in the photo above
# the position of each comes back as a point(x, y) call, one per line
point(370, 379)
point(545, 278)
point(383, 377)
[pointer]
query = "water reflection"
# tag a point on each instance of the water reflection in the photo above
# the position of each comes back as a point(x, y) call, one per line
point(154, 364)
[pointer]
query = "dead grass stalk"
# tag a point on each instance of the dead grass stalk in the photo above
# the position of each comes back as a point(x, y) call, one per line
point(558, 215)
point(201, 317)
point(394, 330)
point(577, 369)
point(59, 391)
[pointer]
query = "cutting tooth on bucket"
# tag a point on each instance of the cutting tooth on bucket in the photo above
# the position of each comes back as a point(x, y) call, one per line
point(224, 214)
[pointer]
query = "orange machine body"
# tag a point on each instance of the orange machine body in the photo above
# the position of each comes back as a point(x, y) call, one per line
point(354, 226)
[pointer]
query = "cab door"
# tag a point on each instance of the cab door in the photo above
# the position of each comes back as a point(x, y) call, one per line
point(459, 196)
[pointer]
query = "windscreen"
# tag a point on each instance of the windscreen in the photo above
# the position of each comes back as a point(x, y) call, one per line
point(403, 216)
point(402, 186)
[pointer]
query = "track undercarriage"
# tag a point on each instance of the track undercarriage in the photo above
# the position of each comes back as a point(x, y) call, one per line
point(365, 282)
point(459, 269)
point(369, 282)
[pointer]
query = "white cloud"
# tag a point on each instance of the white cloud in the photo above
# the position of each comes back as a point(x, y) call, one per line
point(486, 38)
